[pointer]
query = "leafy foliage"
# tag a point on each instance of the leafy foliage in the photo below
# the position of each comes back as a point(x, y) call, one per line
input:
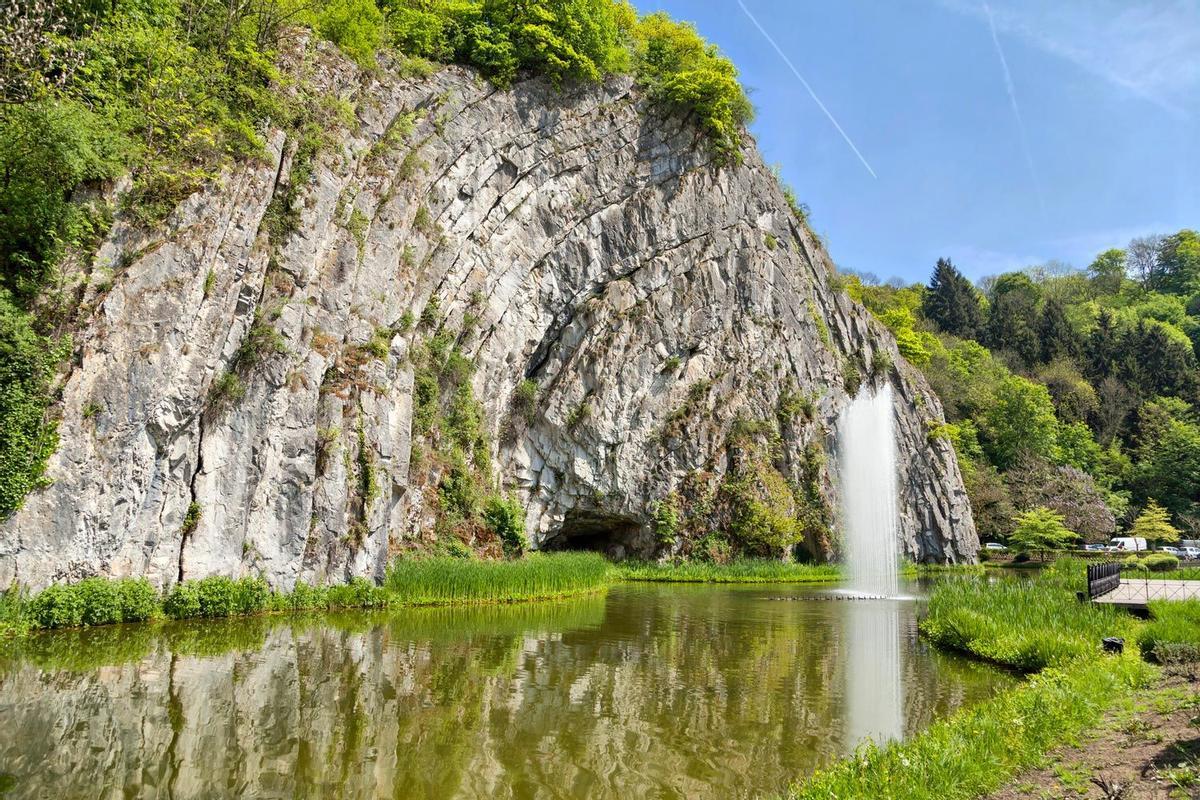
point(1041, 530)
point(1077, 390)
point(1154, 525)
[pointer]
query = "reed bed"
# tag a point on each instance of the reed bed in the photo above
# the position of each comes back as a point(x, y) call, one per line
point(740, 571)
point(1024, 624)
point(910, 569)
point(538, 576)
point(438, 581)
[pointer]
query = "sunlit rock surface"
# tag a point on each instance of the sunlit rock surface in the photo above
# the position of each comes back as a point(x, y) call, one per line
point(576, 238)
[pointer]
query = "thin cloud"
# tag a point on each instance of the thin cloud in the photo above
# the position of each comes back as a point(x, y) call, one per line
point(1016, 107)
point(807, 88)
point(1149, 49)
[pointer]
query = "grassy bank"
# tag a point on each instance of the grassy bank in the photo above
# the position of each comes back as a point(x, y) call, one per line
point(977, 750)
point(1034, 625)
point(1027, 625)
point(439, 581)
point(740, 571)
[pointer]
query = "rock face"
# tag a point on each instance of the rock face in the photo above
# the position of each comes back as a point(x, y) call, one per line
point(244, 394)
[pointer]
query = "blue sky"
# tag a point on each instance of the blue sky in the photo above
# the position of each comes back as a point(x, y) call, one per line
point(1107, 92)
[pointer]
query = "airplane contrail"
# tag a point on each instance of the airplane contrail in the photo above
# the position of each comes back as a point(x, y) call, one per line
point(1012, 98)
point(808, 88)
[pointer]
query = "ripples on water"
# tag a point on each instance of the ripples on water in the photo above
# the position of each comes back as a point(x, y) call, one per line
point(653, 691)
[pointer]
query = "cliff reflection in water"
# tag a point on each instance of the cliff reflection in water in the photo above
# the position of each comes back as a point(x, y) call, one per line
point(663, 691)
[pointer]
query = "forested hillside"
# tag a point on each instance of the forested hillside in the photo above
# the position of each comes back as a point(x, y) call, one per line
point(170, 92)
point(1071, 389)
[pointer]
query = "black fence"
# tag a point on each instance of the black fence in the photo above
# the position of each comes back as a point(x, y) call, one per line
point(1102, 579)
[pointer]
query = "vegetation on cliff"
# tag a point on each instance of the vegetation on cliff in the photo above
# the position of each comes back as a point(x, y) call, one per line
point(1072, 390)
point(169, 92)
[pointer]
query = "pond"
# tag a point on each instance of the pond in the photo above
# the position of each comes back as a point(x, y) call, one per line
point(653, 691)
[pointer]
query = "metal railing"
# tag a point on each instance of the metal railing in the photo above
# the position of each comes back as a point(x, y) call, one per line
point(1102, 579)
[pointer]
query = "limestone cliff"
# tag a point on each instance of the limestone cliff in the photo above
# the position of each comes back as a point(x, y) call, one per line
point(247, 393)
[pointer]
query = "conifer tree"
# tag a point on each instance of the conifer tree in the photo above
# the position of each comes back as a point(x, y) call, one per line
point(1058, 337)
point(952, 303)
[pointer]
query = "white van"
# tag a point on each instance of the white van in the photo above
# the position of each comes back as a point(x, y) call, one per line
point(1128, 544)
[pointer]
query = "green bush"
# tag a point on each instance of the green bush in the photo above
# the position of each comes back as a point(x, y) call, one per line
point(505, 517)
point(355, 26)
point(305, 598)
point(100, 600)
point(57, 606)
point(218, 596)
point(93, 601)
point(1161, 562)
point(358, 593)
point(139, 600)
point(683, 71)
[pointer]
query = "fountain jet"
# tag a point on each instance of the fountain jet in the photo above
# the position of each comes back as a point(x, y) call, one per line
point(869, 504)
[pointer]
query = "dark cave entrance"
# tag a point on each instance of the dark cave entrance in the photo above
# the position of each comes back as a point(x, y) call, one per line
point(613, 535)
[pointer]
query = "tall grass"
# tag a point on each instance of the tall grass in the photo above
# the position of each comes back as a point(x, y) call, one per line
point(1025, 624)
point(1173, 633)
point(910, 569)
point(13, 619)
point(102, 601)
point(438, 581)
point(740, 571)
point(976, 750)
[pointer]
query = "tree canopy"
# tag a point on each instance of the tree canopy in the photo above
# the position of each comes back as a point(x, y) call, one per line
point(1040, 530)
point(1074, 390)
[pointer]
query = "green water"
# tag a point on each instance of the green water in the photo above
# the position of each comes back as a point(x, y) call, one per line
point(655, 691)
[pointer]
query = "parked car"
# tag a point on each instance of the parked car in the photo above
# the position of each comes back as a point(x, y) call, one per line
point(1095, 548)
point(1189, 552)
point(995, 546)
point(1178, 552)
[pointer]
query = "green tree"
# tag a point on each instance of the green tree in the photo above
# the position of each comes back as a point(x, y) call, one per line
point(1058, 337)
point(1020, 422)
point(1154, 525)
point(1168, 456)
point(1178, 264)
point(1012, 326)
point(1107, 272)
point(27, 436)
point(952, 303)
point(47, 149)
point(1040, 530)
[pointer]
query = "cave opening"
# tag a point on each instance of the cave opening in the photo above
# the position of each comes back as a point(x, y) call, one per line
point(614, 535)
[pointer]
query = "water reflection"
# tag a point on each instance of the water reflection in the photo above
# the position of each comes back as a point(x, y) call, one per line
point(874, 671)
point(654, 691)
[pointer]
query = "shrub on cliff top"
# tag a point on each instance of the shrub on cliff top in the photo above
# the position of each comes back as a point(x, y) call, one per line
point(582, 40)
